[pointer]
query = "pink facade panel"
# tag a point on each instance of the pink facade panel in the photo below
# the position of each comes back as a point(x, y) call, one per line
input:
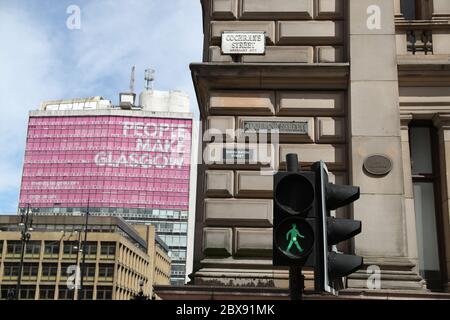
point(115, 161)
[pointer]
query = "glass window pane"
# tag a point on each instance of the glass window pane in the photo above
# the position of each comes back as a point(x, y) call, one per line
point(421, 151)
point(426, 227)
point(408, 8)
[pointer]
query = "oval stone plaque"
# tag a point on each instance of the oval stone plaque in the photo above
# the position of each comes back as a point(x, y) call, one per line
point(378, 165)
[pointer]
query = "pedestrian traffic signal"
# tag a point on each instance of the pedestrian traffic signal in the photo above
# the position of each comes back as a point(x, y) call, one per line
point(304, 233)
point(294, 238)
point(293, 215)
point(331, 265)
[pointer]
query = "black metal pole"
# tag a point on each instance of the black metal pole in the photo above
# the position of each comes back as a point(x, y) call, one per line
point(19, 277)
point(296, 283)
point(83, 263)
point(77, 263)
point(24, 238)
point(296, 278)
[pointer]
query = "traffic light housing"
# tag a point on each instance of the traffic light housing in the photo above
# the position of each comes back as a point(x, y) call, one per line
point(294, 210)
point(329, 264)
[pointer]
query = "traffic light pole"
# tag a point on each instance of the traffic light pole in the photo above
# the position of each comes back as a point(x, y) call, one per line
point(296, 278)
point(83, 262)
point(25, 237)
point(304, 231)
point(296, 283)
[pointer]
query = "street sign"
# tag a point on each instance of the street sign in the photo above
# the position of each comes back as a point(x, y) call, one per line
point(243, 42)
point(283, 127)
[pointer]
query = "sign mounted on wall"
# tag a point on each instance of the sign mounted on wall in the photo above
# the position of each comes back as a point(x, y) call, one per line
point(237, 154)
point(283, 127)
point(243, 42)
point(378, 165)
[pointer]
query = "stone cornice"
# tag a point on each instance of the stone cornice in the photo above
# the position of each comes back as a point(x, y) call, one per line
point(406, 25)
point(405, 119)
point(266, 76)
point(423, 74)
point(442, 121)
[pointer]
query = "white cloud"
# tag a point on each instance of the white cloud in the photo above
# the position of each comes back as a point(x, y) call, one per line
point(25, 61)
point(165, 35)
point(42, 60)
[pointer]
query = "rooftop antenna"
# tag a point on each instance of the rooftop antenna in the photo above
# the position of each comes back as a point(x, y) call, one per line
point(133, 71)
point(127, 99)
point(149, 78)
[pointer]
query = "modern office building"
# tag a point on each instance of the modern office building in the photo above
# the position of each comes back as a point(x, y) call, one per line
point(118, 260)
point(128, 161)
point(368, 84)
point(159, 255)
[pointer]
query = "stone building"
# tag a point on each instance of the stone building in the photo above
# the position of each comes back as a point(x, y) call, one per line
point(367, 77)
point(118, 261)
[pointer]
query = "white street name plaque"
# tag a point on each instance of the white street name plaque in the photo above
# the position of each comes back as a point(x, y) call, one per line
point(237, 154)
point(283, 127)
point(243, 42)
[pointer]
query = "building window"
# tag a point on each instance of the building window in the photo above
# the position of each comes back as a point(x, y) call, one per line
point(89, 271)
point(49, 271)
point(105, 272)
point(30, 270)
point(46, 293)
point(427, 201)
point(108, 249)
point(67, 269)
point(70, 248)
point(91, 250)
point(7, 292)
point(178, 270)
point(14, 248)
point(1, 248)
point(104, 293)
point(65, 294)
point(11, 270)
point(408, 8)
point(27, 292)
point(51, 248)
point(417, 9)
point(33, 249)
point(87, 293)
point(178, 255)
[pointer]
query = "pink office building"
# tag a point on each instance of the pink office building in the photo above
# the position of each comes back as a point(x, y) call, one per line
point(133, 163)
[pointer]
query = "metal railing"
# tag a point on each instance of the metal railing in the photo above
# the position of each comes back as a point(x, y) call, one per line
point(419, 35)
point(420, 41)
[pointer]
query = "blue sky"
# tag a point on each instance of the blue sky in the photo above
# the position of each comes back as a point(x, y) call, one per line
point(42, 59)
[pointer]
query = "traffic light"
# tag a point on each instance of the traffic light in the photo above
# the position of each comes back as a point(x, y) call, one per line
point(293, 215)
point(329, 264)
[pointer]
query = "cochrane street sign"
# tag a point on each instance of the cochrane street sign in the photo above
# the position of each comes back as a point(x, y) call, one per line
point(243, 42)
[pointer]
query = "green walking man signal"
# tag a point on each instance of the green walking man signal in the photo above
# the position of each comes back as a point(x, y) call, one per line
point(293, 234)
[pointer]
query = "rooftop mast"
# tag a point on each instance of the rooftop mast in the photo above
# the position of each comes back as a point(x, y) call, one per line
point(149, 78)
point(133, 70)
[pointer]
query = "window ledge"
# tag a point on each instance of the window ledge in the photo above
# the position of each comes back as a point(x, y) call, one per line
point(402, 25)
